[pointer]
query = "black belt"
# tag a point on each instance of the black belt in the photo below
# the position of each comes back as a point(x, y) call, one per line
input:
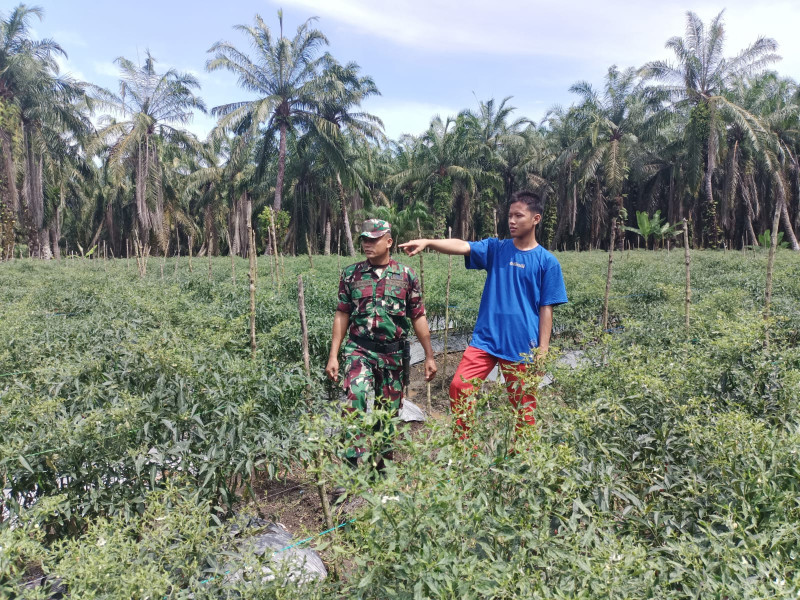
point(374, 346)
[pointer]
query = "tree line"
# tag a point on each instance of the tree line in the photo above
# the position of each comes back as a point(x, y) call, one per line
point(706, 137)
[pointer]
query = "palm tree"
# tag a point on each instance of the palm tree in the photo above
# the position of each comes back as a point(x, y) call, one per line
point(149, 106)
point(37, 105)
point(503, 148)
point(779, 112)
point(564, 127)
point(342, 128)
point(696, 84)
point(284, 74)
point(445, 170)
point(609, 136)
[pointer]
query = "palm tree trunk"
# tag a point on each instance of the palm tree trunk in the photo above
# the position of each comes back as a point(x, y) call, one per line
point(210, 229)
point(674, 212)
point(351, 249)
point(55, 234)
point(45, 253)
point(142, 210)
point(113, 234)
point(246, 205)
point(327, 249)
point(9, 198)
point(711, 205)
point(749, 220)
point(235, 229)
point(729, 192)
point(31, 193)
point(281, 167)
point(787, 223)
point(162, 235)
point(619, 238)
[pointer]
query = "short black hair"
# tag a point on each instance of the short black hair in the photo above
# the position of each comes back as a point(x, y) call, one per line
point(530, 199)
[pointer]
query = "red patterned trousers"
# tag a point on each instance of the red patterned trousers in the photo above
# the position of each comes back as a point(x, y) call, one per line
point(477, 364)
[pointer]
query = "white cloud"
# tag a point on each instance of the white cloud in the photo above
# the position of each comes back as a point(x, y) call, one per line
point(201, 125)
point(67, 39)
point(65, 68)
point(407, 116)
point(609, 32)
point(107, 68)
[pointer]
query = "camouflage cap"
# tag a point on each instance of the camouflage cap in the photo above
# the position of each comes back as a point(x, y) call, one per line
point(375, 228)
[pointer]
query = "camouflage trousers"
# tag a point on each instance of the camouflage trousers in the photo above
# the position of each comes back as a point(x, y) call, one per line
point(366, 377)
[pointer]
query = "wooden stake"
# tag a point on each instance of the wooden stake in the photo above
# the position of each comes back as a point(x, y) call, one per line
point(447, 311)
point(208, 254)
point(428, 403)
point(190, 254)
point(251, 256)
point(688, 262)
point(326, 507)
point(773, 247)
point(274, 243)
point(608, 275)
point(339, 250)
point(421, 266)
point(301, 305)
point(274, 234)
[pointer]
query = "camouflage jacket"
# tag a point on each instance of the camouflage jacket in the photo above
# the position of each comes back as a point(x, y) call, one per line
point(380, 308)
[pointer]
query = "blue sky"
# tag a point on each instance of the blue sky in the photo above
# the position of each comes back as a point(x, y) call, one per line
point(427, 57)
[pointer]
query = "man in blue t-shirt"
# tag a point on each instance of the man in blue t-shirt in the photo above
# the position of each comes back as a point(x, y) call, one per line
point(515, 318)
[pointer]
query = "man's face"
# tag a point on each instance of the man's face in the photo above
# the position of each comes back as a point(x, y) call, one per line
point(521, 220)
point(377, 249)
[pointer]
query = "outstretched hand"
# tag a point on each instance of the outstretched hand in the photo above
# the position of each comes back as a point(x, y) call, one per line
point(414, 247)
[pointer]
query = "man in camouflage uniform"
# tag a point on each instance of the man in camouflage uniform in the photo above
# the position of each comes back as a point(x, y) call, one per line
point(379, 301)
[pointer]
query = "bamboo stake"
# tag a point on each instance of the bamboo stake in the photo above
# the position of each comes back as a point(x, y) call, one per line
point(339, 250)
point(326, 507)
point(208, 254)
point(275, 252)
point(255, 254)
point(272, 273)
point(773, 247)
point(321, 488)
point(301, 303)
point(422, 290)
point(421, 266)
point(688, 261)
point(608, 275)
point(495, 222)
point(447, 310)
point(190, 254)
point(250, 253)
point(178, 249)
point(233, 269)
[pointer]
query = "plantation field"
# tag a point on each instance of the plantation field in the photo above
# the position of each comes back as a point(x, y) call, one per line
point(665, 465)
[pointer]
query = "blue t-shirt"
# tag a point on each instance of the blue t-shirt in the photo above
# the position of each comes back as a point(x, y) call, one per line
point(517, 284)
